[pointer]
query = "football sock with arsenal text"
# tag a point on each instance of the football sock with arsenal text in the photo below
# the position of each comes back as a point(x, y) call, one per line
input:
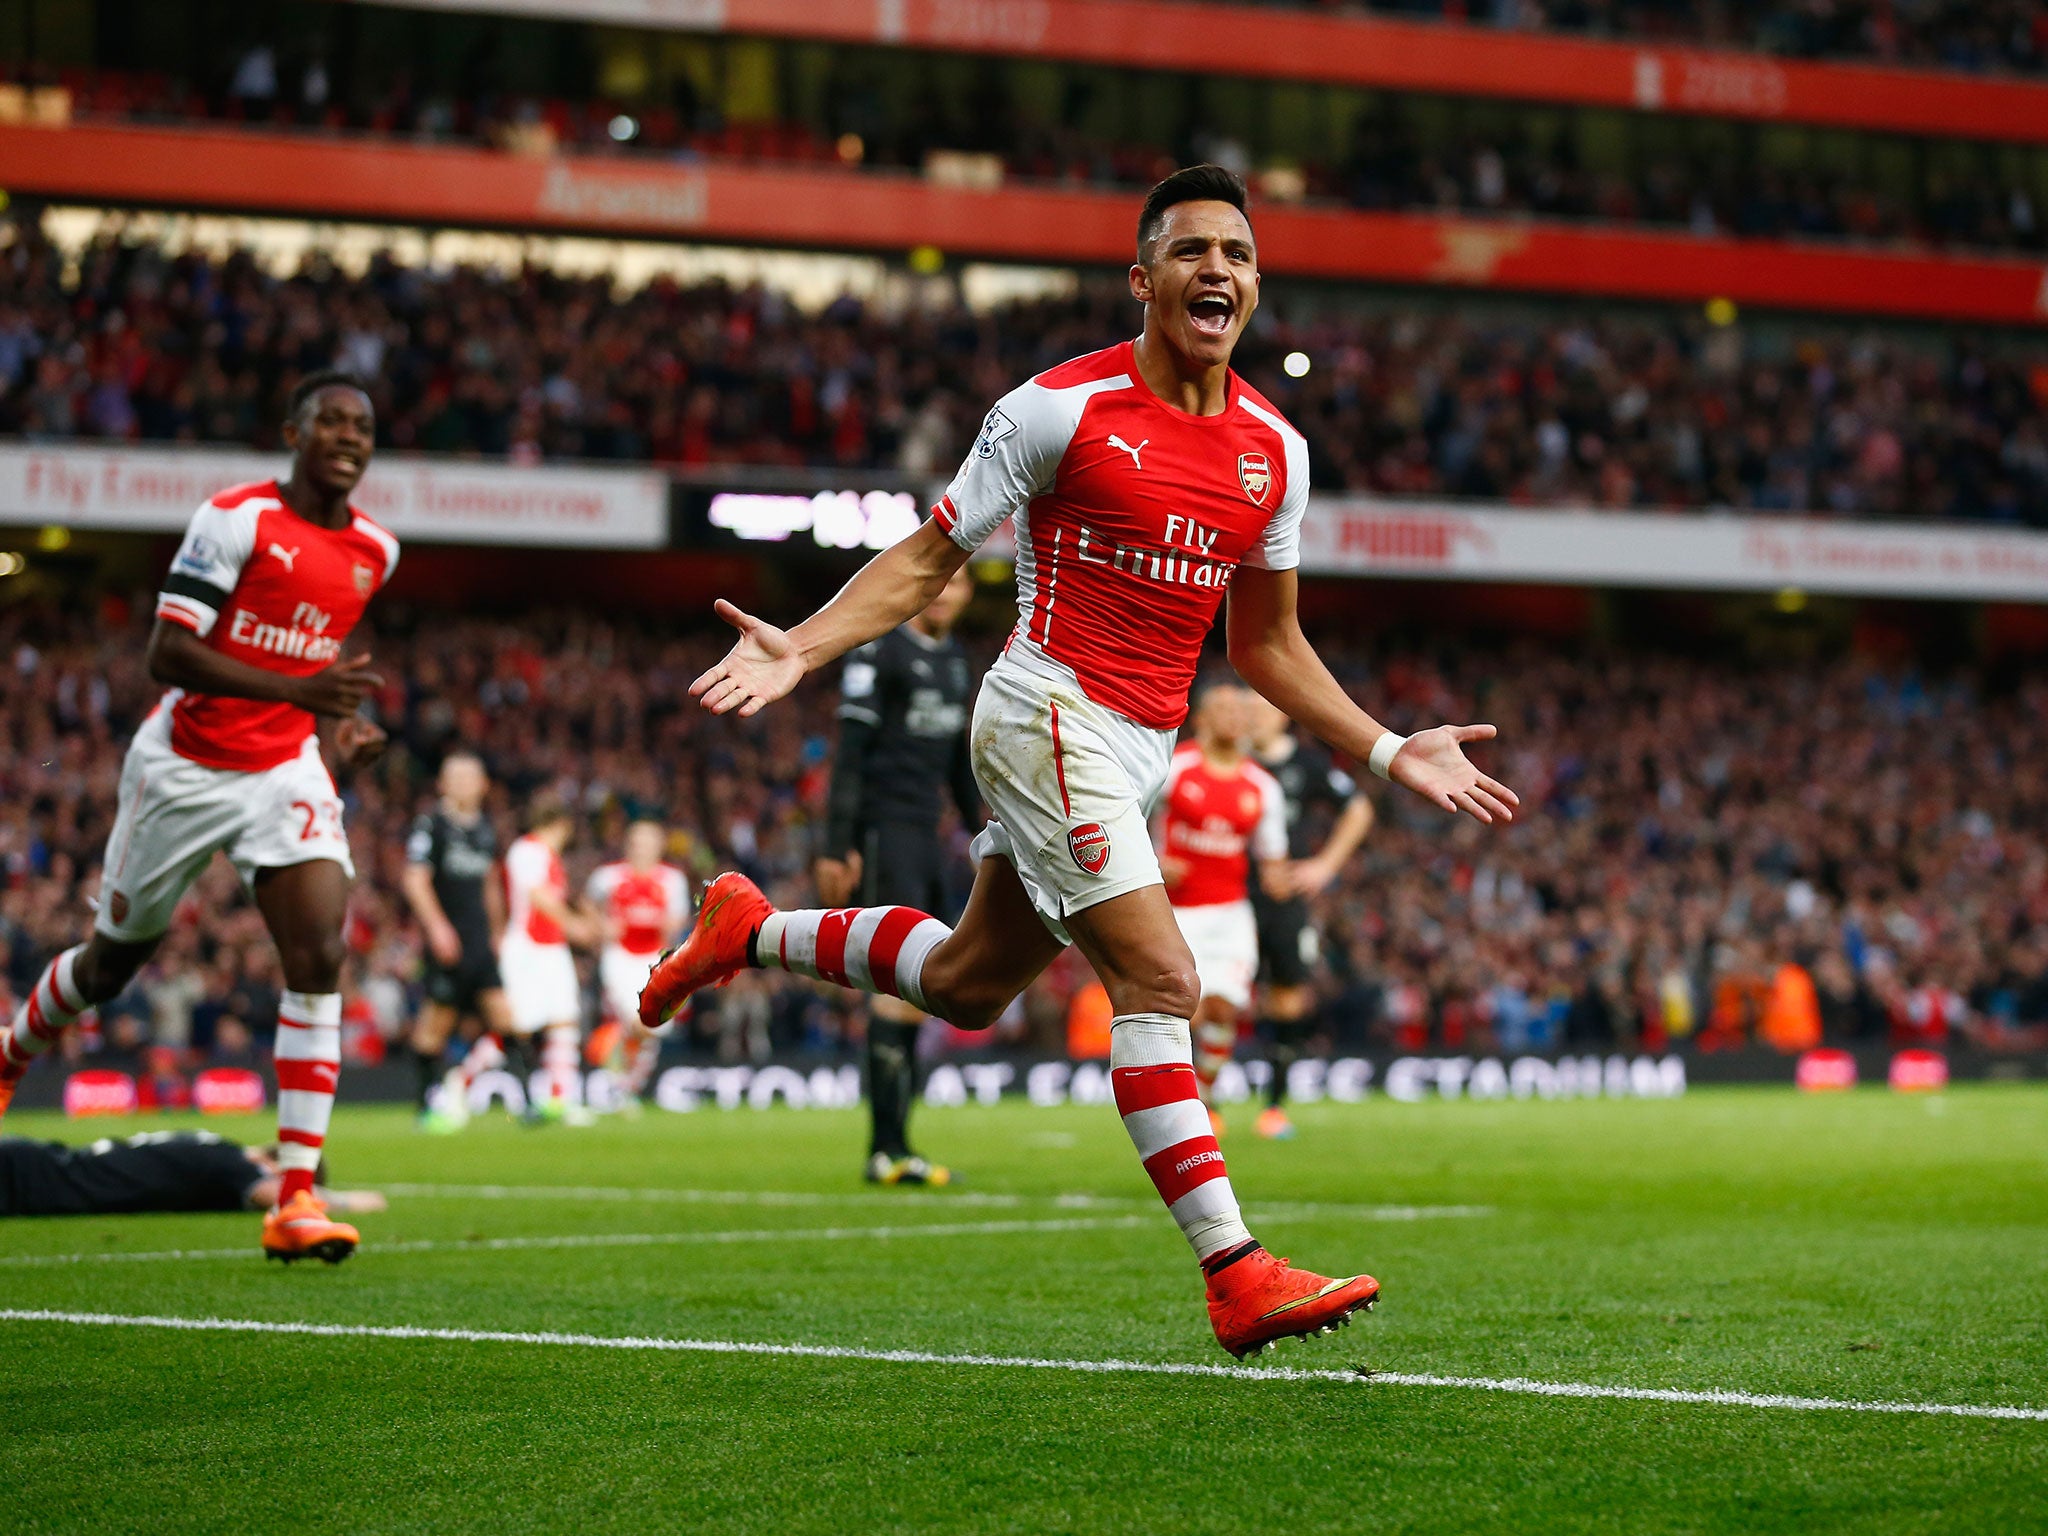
point(1151, 1071)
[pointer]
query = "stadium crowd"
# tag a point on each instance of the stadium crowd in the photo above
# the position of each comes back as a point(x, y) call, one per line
point(1712, 854)
point(127, 341)
point(1721, 186)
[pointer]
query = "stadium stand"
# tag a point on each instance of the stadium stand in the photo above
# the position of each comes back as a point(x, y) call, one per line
point(1401, 151)
point(121, 341)
point(1699, 827)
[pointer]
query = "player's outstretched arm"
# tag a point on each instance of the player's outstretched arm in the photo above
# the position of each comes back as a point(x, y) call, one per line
point(1270, 652)
point(899, 583)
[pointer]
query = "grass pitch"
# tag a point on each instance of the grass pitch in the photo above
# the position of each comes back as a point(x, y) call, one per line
point(1861, 1248)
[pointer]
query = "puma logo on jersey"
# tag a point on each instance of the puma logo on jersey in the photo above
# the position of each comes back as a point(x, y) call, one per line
point(1117, 442)
point(285, 556)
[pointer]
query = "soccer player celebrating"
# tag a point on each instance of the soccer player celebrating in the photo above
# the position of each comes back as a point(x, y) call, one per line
point(261, 597)
point(1221, 811)
point(902, 750)
point(1146, 481)
point(1288, 943)
point(534, 957)
point(640, 904)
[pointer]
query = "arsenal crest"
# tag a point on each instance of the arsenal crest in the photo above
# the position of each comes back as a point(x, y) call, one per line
point(1255, 474)
point(365, 577)
point(118, 905)
point(1089, 844)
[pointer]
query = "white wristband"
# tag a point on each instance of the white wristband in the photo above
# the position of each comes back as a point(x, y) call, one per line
point(1383, 752)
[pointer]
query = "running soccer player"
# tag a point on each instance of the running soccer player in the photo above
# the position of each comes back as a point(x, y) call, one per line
point(640, 905)
point(902, 750)
point(1145, 481)
point(1220, 812)
point(1288, 943)
point(534, 959)
point(261, 597)
point(461, 910)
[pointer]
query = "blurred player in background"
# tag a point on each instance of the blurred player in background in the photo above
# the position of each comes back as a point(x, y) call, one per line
point(534, 960)
point(1221, 816)
point(902, 752)
point(1146, 480)
point(1288, 944)
point(461, 910)
point(639, 904)
point(261, 596)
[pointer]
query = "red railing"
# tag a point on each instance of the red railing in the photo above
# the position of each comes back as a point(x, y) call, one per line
point(1376, 52)
point(807, 206)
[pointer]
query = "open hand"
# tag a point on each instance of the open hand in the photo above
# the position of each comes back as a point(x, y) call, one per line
point(339, 689)
point(761, 668)
point(1433, 764)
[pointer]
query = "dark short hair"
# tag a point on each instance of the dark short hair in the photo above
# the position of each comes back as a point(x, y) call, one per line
point(313, 383)
point(1191, 184)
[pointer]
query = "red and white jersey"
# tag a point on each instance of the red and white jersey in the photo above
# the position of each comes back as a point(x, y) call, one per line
point(1132, 517)
point(531, 865)
point(1217, 820)
point(642, 908)
point(259, 583)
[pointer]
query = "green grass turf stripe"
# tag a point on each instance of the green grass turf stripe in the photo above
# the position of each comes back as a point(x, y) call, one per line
point(1275, 1210)
point(1513, 1384)
point(626, 1240)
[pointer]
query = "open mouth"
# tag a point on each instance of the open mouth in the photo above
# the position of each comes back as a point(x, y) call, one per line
point(1210, 313)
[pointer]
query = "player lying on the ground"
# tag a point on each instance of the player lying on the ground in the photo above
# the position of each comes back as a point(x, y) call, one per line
point(156, 1171)
point(1289, 945)
point(260, 599)
point(1145, 481)
point(1220, 811)
point(902, 754)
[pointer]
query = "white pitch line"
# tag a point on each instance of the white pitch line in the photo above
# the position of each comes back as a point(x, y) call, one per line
point(1517, 1385)
point(1276, 1210)
point(619, 1240)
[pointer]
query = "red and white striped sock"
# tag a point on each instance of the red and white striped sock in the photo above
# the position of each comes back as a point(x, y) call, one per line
point(485, 1056)
point(873, 949)
point(1214, 1043)
point(54, 1002)
point(308, 1071)
point(1153, 1077)
point(558, 1060)
point(643, 1055)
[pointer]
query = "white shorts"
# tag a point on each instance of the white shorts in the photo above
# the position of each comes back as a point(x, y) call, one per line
point(175, 814)
point(540, 984)
point(1071, 785)
point(1225, 941)
point(622, 974)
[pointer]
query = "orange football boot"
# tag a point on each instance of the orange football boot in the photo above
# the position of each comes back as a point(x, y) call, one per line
point(1215, 1125)
point(1261, 1299)
point(715, 951)
point(10, 1079)
point(299, 1229)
